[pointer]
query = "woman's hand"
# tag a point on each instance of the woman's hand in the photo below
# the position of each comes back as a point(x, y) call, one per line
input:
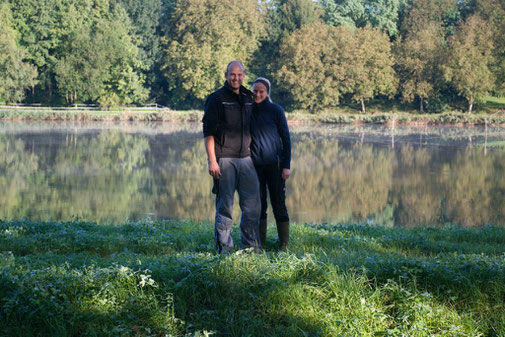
point(285, 173)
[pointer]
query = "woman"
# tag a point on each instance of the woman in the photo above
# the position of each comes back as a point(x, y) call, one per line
point(271, 154)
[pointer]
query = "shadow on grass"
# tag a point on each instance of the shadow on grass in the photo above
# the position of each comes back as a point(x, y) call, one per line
point(332, 277)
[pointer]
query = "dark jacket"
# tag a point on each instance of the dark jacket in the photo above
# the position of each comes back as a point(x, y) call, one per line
point(271, 142)
point(227, 117)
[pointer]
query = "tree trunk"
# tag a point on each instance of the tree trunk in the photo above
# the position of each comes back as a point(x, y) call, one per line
point(363, 110)
point(470, 105)
point(50, 88)
point(421, 105)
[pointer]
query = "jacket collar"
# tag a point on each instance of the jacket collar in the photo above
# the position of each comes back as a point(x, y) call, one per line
point(263, 104)
point(242, 89)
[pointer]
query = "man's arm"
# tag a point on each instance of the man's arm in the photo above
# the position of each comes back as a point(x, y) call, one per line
point(211, 154)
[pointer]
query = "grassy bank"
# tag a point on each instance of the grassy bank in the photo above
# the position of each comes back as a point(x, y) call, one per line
point(162, 278)
point(335, 116)
point(24, 113)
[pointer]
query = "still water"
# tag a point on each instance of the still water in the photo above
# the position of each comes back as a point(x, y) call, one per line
point(111, 172)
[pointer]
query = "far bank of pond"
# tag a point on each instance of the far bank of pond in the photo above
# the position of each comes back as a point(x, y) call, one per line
point(374, 174)
point(334, 116)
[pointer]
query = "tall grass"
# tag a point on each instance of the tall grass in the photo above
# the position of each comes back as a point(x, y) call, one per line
point(162, 278)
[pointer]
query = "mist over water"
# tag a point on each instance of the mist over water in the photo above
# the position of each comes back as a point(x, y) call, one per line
point(394, 176)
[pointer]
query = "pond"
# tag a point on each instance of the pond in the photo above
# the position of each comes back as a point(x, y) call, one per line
point(393, 176)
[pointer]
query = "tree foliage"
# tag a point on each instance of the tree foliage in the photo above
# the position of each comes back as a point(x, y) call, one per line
point(493, 12)
point(309, 65)
point(469, 59)
point(287, 16)
point(381, 14)
point(98, 58)
point(174, 52)
point(281, 18)
point(145, 16)
point(419, 53)
point(319, 64)
point(205, 35)
point(78, 47)
point(16, 75)
point(370, 69)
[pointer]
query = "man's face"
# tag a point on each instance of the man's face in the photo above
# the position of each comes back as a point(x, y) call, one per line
point(235, 75)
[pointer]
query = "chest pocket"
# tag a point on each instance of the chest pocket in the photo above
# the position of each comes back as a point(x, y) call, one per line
point(232, 114)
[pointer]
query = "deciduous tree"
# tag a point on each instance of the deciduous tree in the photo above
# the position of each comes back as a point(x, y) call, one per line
point(320, 63)
point(469, 59)
point(418, 56)
point(16, 74)
point(145, 16)
point(382, 14)
point(370, 69)
point(282, 17)
point(493, 12)
point(309, 65)
point(205, 35)
point(98, 59)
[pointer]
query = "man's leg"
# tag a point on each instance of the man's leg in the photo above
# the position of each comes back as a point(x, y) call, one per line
point(260, 170)
point(249, 199)
point(224, 205)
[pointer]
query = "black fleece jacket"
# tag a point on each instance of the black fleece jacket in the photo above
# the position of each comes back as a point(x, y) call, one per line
point(227, 117)
point(271, 142)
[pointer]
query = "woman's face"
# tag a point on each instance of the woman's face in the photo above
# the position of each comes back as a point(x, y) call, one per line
point(259, 92)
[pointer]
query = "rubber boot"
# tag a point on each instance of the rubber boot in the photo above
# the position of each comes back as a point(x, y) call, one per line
point(263, 231)
point(283, 232)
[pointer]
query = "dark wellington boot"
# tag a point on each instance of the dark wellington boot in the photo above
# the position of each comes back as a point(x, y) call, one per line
point(263, 231)
point(283, 232)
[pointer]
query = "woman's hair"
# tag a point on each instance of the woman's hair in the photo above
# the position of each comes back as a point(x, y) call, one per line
point(266, 83)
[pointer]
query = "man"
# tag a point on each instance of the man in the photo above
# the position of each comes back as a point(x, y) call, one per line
point(226, 121)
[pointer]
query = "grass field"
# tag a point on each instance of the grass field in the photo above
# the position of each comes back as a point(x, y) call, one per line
point(163, 279)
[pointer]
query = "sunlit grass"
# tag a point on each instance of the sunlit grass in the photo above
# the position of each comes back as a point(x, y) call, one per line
point(495, 100)
point(162, 278)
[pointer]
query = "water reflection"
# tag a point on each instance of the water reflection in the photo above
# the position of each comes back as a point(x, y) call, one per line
point(403, 176)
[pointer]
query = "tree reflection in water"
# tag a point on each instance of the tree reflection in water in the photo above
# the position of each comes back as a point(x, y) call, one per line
point(340, 174)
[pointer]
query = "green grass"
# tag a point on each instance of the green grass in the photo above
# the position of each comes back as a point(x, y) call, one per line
point(495, 102)
point(155, 278)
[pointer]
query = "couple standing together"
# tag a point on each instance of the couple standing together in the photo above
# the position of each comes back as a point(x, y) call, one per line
point(249, 149)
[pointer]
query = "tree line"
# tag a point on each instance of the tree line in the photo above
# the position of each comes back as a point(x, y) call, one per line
point(319, 54)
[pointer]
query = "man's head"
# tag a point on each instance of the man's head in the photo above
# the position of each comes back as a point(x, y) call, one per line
point(235, 74)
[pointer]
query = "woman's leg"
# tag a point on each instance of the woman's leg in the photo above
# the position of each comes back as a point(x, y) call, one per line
point(277, 191)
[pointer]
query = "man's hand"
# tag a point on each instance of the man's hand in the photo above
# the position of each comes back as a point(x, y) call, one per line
point(285, 173)
point(213, 165)
point(214, 170)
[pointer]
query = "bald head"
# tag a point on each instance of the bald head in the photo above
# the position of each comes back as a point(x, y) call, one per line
point(235, 74)
point(235, 63)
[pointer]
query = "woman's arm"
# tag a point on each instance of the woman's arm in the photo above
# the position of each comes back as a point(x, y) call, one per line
point(283, 129)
